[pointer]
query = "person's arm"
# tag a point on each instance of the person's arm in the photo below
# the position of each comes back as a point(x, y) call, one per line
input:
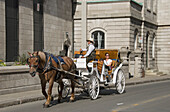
point(91, 48)
point(83, 49)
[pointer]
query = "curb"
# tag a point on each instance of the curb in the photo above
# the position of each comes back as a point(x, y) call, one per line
point(146, 81)
point(32, 99)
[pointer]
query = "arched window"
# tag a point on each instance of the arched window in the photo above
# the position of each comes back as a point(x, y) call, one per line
point(99, 39)
point(136, 39)
point(153, 46)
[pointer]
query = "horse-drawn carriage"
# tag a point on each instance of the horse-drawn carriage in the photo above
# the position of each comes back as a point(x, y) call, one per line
point(97, 74)
point(51, 69)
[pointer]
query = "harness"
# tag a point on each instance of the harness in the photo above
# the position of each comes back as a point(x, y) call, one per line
point(48, 64)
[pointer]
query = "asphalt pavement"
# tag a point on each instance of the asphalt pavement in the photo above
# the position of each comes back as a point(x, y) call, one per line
point(36, 95)
point(147, 97)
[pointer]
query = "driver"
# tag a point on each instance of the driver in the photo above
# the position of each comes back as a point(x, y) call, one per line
point(91, 53)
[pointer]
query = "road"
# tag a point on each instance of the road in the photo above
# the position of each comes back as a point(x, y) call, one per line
point(151, 97)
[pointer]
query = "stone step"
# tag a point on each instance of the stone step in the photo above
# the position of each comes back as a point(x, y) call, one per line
point(155, 73)
point(151, 71)
point(161, 74)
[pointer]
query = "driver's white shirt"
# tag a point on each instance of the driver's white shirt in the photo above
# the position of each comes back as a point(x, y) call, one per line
point(90, 49)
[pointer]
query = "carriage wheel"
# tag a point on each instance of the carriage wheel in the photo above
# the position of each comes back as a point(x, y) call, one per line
point(65, 92)
point(120, 82)
point(93, 87)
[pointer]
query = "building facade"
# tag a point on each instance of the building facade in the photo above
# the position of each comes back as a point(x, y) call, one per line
point(141, 26)
point(32, 25)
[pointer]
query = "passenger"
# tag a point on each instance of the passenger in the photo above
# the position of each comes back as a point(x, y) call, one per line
point(107, 62)
point(106, 66)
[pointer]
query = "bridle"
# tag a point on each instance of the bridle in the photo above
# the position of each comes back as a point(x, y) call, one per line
point(32, 65)
point(46, 67)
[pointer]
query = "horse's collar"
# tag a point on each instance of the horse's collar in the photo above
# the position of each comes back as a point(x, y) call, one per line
point(47, 65)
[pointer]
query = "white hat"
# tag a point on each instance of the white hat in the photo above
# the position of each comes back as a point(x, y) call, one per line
point(90, 39)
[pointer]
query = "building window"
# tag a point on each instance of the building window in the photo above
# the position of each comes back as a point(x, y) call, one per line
point(38, 25)
point(12, 29)
point(136, 39)
point(99, 39)
point(147, 49)
point(153, 47)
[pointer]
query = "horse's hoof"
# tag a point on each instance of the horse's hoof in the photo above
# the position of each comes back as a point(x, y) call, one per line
point(71, 100)
point(45, 106)
point(59, 101)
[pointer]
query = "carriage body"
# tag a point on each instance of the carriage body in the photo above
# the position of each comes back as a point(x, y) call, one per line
point(113, 77)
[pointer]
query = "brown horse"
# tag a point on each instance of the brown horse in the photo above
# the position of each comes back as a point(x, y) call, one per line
point(39, 62)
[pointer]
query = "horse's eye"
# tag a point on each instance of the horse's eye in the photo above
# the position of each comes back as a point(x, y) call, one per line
point(36, 61)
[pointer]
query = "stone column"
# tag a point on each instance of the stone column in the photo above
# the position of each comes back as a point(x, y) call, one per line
point(138, 70)
point(132, 64)
point(84, 24)
point(124, 55)
point(25, 26)
point(2, 30)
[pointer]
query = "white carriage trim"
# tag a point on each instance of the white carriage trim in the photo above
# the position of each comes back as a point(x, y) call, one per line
point(115, 73)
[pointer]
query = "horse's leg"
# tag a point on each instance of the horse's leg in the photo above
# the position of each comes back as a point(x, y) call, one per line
point(49, 98)
point(61, 90)
point(72, 92)
point(43, 86)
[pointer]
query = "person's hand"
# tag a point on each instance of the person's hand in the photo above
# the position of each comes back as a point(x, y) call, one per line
point(80, 50)
point(82, 57)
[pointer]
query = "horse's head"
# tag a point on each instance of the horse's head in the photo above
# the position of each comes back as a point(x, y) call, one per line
point(33, 62)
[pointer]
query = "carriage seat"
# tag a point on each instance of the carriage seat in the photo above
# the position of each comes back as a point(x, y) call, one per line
point(114, 65)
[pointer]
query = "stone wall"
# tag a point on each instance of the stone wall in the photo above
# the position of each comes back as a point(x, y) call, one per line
point(116, 32)
point(17, 79)
point(57, 18)
point(163, 48)
point(2, 30)
point(113, 19)
point(163, 12)
point(57, 21)
point(162, 39)
point(25, 26)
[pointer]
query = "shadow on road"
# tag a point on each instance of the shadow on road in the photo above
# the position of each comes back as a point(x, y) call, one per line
point(84, 96)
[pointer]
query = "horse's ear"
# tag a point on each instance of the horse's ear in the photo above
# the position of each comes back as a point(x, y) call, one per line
point(29, 54)
point(37, 53)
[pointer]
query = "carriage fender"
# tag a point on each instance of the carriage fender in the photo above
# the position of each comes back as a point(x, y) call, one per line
point(116, 72)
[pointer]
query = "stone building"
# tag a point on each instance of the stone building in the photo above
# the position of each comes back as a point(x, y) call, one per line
point(32, 25)
point(163, 35)
point(140, 26)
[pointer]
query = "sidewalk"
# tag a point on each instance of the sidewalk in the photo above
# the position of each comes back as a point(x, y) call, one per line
point(30, 96)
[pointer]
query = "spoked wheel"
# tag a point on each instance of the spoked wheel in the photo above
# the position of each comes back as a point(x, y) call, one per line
point(93, 87)
point(66, 89)
point(120, 82)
